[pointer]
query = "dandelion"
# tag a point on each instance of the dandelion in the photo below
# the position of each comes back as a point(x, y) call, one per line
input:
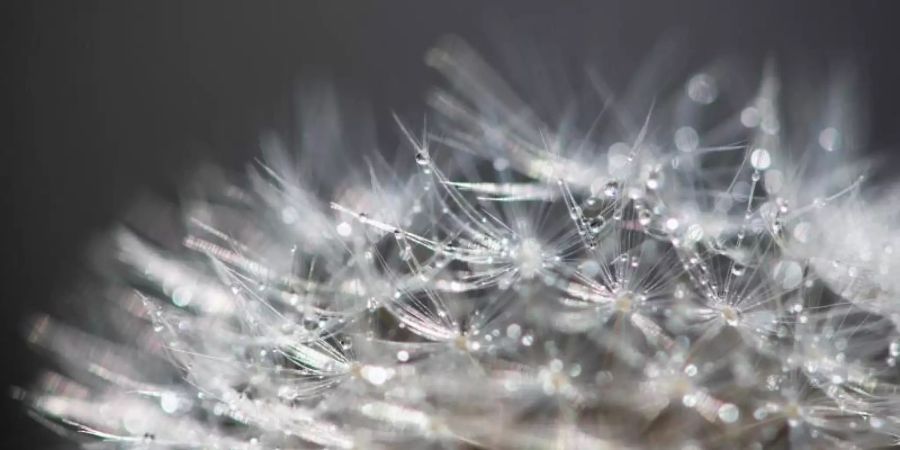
point(651, 280)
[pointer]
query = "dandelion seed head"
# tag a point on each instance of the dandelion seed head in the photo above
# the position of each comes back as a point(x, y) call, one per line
point(514, 281)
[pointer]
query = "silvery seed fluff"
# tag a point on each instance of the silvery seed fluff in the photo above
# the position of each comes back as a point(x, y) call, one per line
point(688, 265)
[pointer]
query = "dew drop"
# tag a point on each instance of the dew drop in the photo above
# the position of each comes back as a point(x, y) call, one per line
point(182, 296)
point(690, 370)
point(686, 139)
point(644, 217)
point(344, 229)
point(596, 224)
point(729, 413)
point(375, 374)
point(760, 413)
point(611, 189)
point(169, 402)
point(672, 224)
point(760, 159)
point(694, 233)
point(702, 89)
point(654, 180)
point(830, 139)
point(750, 117)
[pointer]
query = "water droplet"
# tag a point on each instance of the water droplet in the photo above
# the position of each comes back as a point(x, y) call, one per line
point(654, 180)
point(344, 229)
point(611, 189)
point(644, 217)
point(183, 296)
point(694, 233)
point(729, 413)
point(375, 374)
point(690, 370)
point(770, 124)
point(596, 224)
point(702, 89)
point(169, 402)
point(672, 224)
point(750, 117)
point(760, 159)
point(760, 413)
point(686, 139)
point(830, 139)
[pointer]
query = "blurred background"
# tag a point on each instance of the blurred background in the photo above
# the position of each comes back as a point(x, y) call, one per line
point(105, 100)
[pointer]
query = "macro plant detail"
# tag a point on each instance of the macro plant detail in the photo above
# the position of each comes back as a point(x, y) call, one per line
point(691, 270)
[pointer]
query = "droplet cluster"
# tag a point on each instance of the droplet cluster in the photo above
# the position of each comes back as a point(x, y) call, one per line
point(650, 283)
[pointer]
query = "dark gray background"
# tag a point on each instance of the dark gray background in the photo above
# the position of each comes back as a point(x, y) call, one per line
point(105, 99)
